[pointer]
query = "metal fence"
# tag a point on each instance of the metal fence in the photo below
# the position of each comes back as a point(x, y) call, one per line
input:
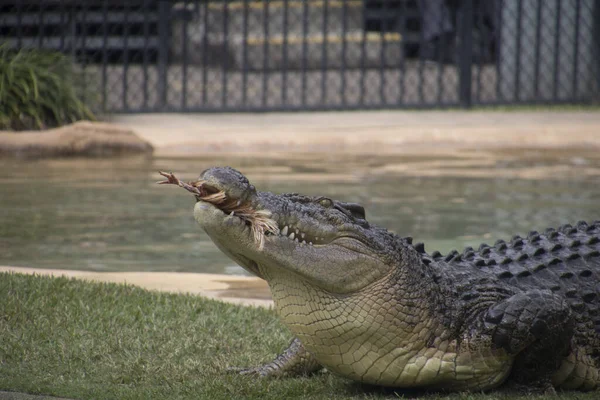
point(253, 55)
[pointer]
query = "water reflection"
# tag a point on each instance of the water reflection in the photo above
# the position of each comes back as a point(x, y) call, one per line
point(108, 215)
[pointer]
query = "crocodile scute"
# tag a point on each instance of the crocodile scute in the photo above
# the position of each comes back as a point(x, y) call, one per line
point(373, 307)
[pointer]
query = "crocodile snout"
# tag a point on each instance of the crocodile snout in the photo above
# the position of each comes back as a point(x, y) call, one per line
point(232, 182)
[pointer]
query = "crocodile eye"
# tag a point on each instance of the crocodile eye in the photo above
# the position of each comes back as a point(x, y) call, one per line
point(325, 202)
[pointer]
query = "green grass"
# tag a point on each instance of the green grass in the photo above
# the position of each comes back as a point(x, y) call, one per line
point(84, 340)
point(39, 89)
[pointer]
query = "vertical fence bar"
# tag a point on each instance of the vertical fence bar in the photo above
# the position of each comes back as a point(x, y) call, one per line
point(184, 56)
point(440, 67)
point(245, 54)
point(465, 28)
point(538, 47)
point(499, 28)
point(482, 45)
point(41, 29)
point(421, 66)
point(125, 56)
point(146, 30)
point(363, 55)
point(575, 83)
point(324, 54)
point(104, 56)
point(382, 33)
point(81, 55)
point(555, 76)
point(225, 76)
point(596, 45)
point(73, 14)
point(305, 11)
point(164, 10)
point(205, 34)
point(517, 93)
point(62, 25)
point(284, 50)
point(344, 50)
point(265, 68)
point(19, 25)
point(402, 66)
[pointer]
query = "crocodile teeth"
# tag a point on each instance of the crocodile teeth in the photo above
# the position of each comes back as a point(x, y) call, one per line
point(293, 232)
point(232, 213)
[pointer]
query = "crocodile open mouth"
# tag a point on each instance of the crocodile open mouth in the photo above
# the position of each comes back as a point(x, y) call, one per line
point(259, 221)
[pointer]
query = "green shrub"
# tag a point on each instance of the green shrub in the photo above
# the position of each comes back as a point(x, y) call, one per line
point(39, 89)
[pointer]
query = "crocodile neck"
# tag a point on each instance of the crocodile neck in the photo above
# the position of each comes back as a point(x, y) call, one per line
point(364, 334)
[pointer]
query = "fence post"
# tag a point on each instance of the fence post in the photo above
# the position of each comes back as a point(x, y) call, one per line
point(164, 9)
point(465, 56)
point(596, 57)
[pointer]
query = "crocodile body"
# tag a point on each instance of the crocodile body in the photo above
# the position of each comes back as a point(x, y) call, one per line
point(376, 308)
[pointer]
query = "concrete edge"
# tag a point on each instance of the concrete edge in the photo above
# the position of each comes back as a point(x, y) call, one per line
point(247, 291)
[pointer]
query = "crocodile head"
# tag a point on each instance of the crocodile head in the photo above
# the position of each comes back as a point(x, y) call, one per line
point(326, 242)
point(345, 288)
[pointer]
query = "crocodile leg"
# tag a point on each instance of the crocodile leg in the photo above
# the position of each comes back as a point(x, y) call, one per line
point(537, 327)
point(294, 361)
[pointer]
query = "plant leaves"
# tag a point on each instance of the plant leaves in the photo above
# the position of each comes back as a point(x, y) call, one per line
point(40, 88)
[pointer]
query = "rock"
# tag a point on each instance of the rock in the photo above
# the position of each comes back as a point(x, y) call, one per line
point(83, 138)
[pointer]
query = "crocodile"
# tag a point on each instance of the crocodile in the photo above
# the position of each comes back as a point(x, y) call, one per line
point(374, 307)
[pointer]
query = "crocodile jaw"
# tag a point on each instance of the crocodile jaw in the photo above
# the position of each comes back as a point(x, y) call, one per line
point(229, 233)
point(342, 265)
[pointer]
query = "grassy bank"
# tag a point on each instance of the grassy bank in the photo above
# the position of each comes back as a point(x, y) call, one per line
point(88, 340)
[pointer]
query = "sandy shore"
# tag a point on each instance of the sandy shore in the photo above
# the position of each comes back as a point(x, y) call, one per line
point(185, 135)
point(229, 288)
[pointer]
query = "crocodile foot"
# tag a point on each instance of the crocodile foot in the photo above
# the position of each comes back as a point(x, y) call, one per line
point(294, 361)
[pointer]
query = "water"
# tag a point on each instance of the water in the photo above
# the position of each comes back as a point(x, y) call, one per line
point(109, 215)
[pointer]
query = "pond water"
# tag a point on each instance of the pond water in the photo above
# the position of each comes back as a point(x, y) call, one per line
point(109, 215)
